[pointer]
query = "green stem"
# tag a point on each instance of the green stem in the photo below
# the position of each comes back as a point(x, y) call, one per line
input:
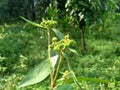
point(48, 43)
point(49, 55)
point(58, 68)
point(73, 75)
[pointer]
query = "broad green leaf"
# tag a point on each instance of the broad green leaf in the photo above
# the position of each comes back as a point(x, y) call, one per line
point(30, 22)
point(65, 87)
point(39, 73)
point(81, 78)
point(58, 33)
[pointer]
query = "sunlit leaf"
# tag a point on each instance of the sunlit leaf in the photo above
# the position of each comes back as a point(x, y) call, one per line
point(31, 22)
point(65, 87)
point(58, 33)
point(39, 73)
point(54, 60)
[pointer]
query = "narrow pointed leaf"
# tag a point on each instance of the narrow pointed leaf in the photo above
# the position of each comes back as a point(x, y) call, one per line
point(31, 22)
point(81, 78)
point(58, 33)
point(75, 79)
point(73, 51)
point(71, 71)
point(39, 73)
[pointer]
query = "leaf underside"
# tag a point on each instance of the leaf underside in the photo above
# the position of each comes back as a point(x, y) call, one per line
point(39, 72)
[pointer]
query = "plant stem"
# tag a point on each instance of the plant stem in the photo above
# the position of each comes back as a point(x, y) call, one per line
point(73, 75)
point(58, 68)
point(49, 55)
point(48, 43)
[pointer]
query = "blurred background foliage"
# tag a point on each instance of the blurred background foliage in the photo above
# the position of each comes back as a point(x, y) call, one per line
point(23, 46)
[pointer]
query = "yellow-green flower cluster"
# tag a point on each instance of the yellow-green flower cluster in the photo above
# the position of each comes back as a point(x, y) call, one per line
point(48, 23)
point(62, 44)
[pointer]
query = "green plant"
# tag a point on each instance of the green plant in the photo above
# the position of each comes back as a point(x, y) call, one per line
point(61, 45)
point(48, 64)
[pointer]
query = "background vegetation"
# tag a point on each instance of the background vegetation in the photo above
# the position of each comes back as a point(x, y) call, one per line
point(93, 24)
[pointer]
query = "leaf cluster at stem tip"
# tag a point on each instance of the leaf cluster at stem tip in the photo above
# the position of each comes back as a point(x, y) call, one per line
point(48, 23)
point(62, 44)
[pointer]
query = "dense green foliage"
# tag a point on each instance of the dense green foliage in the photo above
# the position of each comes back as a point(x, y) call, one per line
point(23, 47)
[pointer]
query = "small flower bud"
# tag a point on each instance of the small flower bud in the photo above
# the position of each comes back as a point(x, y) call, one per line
point(54, 39)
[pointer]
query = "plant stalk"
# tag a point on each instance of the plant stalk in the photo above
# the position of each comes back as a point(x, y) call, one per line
point(48, 43)
point(58, 68)
point(49, 55)
point(73, 75)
